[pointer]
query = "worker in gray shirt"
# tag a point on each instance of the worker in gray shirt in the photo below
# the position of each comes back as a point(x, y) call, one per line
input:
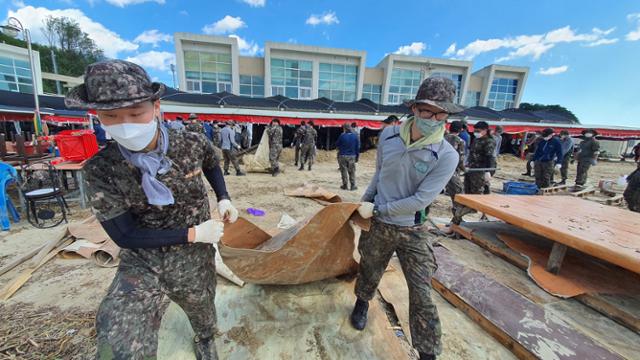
point(414, 163)
point(230, 148)
point(567, 151)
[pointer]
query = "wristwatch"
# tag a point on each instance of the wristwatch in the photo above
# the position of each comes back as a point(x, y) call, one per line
point(375, 211)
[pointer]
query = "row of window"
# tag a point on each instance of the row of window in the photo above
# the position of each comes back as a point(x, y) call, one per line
point(15, 75)
point(502, 94)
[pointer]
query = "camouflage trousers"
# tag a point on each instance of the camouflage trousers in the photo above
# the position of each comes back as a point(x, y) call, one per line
point(347, 169)
point(307, 152)
point(454, 186)
point(415, 252)
point(129, 316)
point(230, 156)
point(543, 171)
point(297, 152)
point(274, 156)
point(632, 192)
point(474, 183)
point(564, 170)
point(583, 169)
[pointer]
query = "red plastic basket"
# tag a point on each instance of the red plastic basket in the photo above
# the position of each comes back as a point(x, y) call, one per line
point(77, 145)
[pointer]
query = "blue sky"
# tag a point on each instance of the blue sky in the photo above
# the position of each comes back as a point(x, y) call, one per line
point(584, 55)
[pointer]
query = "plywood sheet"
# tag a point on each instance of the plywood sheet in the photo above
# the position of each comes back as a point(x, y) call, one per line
point(318, 248)
point(605, 232)
point(529, 329)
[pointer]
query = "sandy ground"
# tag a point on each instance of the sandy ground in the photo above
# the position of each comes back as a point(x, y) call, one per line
point(54, 310)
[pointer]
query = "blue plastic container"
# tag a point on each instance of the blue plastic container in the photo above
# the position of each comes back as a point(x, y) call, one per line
point(519, 188)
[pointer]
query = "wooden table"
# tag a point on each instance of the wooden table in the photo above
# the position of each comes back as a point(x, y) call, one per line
point(76, 168)
point(605, 232)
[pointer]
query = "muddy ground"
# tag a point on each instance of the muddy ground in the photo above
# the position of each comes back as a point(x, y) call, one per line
point(51, 316)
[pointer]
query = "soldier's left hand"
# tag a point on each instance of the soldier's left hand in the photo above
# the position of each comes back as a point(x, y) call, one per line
point(227, 211)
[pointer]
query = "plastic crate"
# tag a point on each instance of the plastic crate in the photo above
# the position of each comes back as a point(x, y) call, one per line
point(77, 145)
point(519, 188)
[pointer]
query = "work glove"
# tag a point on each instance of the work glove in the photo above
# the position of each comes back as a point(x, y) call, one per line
point(558, 167)
point(487, 176)
point(227, 211)
point(209, 232)
point(366, 210)
point(594, 162)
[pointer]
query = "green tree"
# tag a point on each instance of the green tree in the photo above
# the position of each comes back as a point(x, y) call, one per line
point(558, 109)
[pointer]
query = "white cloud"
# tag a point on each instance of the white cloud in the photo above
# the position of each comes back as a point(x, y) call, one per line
point(247, 48)
point(184, 12)
point(110, 42)
point(156, 60)
point(17, 3)
point(227, 24)
point(533, 45)
point(553, 70)
point(123, 3)
point(416, 48)
point(450, 50)
point(327, 18)
point(152, 37)
point(635, 34)
point(255, 3)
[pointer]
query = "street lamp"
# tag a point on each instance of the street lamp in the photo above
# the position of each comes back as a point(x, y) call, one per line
point(12, 28)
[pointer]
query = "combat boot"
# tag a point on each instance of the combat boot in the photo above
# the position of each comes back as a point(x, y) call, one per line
point(275, 172)
point(424, 356)
point(343, 187)
point(206, 349)
point(240, 173)
point(353, 188)
point(359, 314)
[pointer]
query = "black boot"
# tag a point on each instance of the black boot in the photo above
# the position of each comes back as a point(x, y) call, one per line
point(240, 173)
point(226, 172)
point(424, 356)
point(275, 172)
point(206, 349)
point(354, 187)
point(343, 187)
point(301, 167)
point(359, 314)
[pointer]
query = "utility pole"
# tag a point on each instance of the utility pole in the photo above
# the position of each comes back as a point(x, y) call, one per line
point(55, 71)
point(173, 75)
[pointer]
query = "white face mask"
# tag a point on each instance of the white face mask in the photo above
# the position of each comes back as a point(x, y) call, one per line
point(134, 137)
point(588, 135)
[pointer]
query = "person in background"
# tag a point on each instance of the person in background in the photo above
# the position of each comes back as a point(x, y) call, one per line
point(194, 125)
point(454, 186)
point(101, 135)
point(636, 153)
point(532, 145)
point(244, 137)
point(497, 136)
point(230, 148)
point(587, 155)
point(308, 149)
point(548, 153)
point(391, 120)
point(632, 192)
point(216, 137)
point(176, 124)
point(208, 130)
point(148, 194)
point(348, 146)
point(464, 135)
point(567, 152)
point(297, 141)
point(274, 132)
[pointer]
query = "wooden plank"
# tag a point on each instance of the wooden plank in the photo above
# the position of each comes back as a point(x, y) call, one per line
point(19, 260)
point(585, 192)
point(623, 309)
point(555, 258)
point(605, 232)
point(527, 328)
point(615, 200)
point(554, 189)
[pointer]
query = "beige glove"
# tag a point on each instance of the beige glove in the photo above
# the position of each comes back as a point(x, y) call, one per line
point(366, 210)
point(227, 211)
point(487, 176)
point(209, 232)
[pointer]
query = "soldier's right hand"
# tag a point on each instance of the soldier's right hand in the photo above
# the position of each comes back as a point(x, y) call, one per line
point(209, 232)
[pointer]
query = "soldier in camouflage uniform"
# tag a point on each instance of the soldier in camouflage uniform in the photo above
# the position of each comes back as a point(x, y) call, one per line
point(454, 186)
point(587, 155)
point(481, 156)
point(147, 192)
point(297, 141)
point(194, 124)
point(274, 131)
point(308, 150)
point(414, 164)
point(632, 192)
point(217, 137)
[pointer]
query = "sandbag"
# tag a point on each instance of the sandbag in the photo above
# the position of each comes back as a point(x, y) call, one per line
point(259, 162)
point(317, 248)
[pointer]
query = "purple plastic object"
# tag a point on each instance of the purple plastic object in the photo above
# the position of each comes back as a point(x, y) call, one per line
point(256, 212)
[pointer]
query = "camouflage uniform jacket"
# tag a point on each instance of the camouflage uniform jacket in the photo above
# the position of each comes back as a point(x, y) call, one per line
point(297, 137)
point(481, 154)
point(588, 149)
point(195, 127)
point(114, 185)
point(217, 136)
point(310, 136)
point(275, 135)
point(458, 144)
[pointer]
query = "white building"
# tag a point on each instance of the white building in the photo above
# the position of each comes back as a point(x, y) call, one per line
point(15, 72)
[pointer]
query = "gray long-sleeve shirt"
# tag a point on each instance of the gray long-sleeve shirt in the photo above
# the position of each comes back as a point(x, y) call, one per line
point(228, 138)
point(567, 145)
point(408, 180)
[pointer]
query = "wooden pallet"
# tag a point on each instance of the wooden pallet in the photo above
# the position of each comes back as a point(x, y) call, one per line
point(554, 189)
point(584, 192)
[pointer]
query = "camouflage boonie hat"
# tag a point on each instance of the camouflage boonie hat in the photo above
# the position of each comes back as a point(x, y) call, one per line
point(113, 84)
point(437, 91)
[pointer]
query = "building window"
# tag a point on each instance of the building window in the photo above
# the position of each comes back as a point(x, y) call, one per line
point(404, 85)
point(503, 93)
point(372, 92)
point(252, 86)
point(472, 99)
point(457, 81)
point(207, 72)
point(15, 75)
point(291, 78)
point(338, 82)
